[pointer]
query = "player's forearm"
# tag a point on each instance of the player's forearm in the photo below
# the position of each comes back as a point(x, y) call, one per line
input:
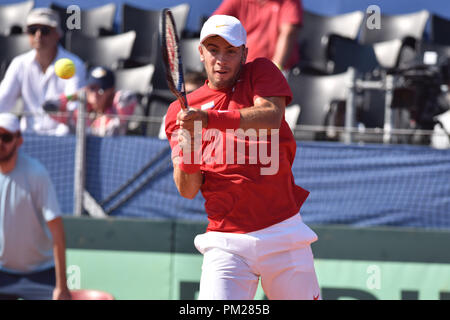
point(286, 39)
point(267, 113)
point(59, 251)
point(188, 184)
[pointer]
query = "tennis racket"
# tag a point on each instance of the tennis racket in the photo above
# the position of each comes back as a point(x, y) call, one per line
point(172, 57)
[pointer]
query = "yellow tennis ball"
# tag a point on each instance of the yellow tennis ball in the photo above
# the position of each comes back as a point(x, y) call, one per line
point(65, 68)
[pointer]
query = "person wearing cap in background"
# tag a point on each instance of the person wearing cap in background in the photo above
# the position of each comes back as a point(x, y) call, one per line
point(107, 108)
point(32, 240)
point(255, 229)
point(31, 75)
point(272, 26)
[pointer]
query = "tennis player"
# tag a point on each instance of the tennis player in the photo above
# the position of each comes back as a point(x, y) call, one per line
point(255, 230)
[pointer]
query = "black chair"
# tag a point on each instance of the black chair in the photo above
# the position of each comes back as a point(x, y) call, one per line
point(157, 110)
point(344, 53)
point(12, 46)
point(190, 54)
point(318, 97)
point(107, 51)
point(93, 22)
point(440, 30)
point(395, 27)
point(313, 38)
point(137, 80)
point(146, 25)
point(13, 17)
point(147, 49)
point(364, 58)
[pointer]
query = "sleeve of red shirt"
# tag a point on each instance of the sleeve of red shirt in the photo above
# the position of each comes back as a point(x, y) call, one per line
point(170, 122)
point(292, 12)
point(228, 7)
point(268, 81)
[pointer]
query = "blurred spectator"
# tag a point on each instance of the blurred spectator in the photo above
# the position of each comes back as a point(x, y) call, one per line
point(194, 80)
point(107, 109)
point(31, 75)
point(32, 240)
point(272, 28)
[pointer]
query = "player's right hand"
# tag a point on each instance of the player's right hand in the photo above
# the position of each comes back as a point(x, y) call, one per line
point(189, 119)
point(189, 131)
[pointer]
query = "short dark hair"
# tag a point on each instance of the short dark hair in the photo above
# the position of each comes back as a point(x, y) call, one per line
point(197, 77)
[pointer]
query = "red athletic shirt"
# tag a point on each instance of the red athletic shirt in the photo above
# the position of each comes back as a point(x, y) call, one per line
point(239, 199)
point(262, 20)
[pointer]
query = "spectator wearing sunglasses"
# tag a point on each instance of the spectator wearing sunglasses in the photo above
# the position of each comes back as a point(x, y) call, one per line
point(32, 241)
point(31, 75)
point(108, 110)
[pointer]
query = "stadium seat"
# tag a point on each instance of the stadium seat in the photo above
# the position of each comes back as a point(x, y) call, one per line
point(395, 27)
point(313, 38)
point(146, 48)
point(317, 95)
point(137, 80)
point(190, 54)
point(146, 24)
point(107, 51)
point(157, 109)
point(13, 17)
point(94, 22)
point(440, 30)
point(11, 46)
point(365, 58)
point(180, 14)
point(344, 53)
point(291, 115)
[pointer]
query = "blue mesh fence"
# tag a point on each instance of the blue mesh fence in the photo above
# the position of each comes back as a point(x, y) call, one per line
point(374, 185)
point(58, 156)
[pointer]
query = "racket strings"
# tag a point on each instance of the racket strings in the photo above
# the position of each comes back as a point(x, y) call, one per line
point(172, 57)
point(172, 52)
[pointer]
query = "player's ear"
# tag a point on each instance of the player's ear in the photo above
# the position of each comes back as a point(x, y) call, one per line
point(200, 49)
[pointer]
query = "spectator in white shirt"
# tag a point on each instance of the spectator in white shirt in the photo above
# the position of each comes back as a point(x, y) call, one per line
point(31, 75)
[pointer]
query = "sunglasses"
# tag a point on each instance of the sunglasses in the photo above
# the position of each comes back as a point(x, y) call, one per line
point(7, 137)
point(44, 30)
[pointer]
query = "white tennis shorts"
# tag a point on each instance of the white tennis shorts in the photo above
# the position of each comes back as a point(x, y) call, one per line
point(280, 255)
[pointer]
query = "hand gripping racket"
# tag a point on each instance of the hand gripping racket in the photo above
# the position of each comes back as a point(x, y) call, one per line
point(172, 57)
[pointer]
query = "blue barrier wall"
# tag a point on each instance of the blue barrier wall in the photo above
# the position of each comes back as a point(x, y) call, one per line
point(370, 185)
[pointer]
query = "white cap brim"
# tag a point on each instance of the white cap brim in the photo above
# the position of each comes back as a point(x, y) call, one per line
point(9, 122)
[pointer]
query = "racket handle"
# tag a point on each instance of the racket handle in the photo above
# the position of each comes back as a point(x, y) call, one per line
point(183, 103)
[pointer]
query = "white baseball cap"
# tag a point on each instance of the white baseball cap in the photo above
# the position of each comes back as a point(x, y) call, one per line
point(227, 27)
point(9, 122)
point(45, 17)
